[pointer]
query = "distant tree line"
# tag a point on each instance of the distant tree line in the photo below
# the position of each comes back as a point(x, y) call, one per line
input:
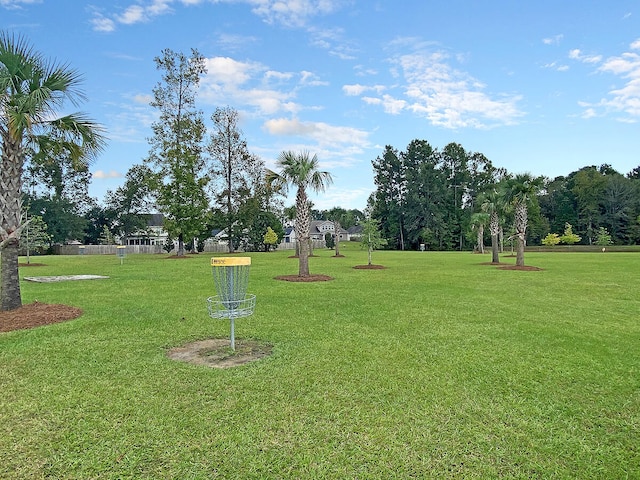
point(439, 198)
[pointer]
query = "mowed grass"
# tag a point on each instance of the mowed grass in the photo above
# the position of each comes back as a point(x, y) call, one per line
point(436, 367)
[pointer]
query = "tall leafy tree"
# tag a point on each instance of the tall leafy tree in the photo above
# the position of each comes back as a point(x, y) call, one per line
point(519, 192)
point(617, 206)
point(232, 161)
point(33, 91)
point(129, 202)
point(390, 195)
point(558, 204)
point(454, 161)
point(301, 171)
point(588, 186)
point(425, 192)
point(61, 216)
point(177, 146)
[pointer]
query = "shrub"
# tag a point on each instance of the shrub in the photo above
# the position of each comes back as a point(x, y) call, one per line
point(569, 238)
point(551, 240)
point(603, 238)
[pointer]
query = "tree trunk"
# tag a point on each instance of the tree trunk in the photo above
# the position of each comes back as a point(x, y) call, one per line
point(10, 221)
point(520, 252)
point(180, 252)
point(10, 286)
point(495, 258)
point(302, 232)
point(336, 231)
point(481, 238)
point(494, 228)
point(303, 260)
point(521, 228)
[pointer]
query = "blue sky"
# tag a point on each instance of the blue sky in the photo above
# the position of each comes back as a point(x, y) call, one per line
point(543, 86)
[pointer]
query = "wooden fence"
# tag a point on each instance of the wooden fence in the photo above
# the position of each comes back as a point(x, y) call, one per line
point(133, 249)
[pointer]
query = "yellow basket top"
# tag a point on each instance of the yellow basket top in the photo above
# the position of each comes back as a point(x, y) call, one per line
point(230, 261)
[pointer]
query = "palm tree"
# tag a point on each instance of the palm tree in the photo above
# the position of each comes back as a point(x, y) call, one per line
point(490, 204)
point(519, 192)
point(32, 90)
point(301, 171)
point(478, 221)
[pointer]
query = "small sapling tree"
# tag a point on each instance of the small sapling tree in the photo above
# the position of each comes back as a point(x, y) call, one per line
point(371, 236)
point(270, 239)
point(603, 238)
point(551, 240)
point(569, 238)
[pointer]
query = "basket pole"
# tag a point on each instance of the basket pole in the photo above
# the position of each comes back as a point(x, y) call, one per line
point(231, 283)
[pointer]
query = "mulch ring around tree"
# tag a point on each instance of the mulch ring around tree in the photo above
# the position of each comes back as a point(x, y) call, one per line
point(370, 267)
point(524, 268)
point(308, 278)
point(36, 314)
point(217, 352)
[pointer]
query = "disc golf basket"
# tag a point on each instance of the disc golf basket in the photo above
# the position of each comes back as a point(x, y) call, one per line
point(121, 252)
point(230, 277)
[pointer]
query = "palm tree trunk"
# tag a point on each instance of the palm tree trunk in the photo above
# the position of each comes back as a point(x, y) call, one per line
point(10, 288)
point(302, 232)
point(495, 257)
point(521, 228)
point(481, 238)
point(10, 219)
point(494, 227)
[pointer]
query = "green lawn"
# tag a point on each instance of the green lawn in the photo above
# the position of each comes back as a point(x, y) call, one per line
point(436, 367)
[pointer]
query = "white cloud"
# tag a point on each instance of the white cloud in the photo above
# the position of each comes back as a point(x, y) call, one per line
point(390, 104)
point(101, 174)
point(234, 42)
point(341, 196)
point(103, 24)
point(447, 97)
point(555, 40)
point(624, 99)
point(357, 89)
point(320, 132)
point(556, 66)
point(144, 99)
point(252, 84)
point(291, 13)
point(16, 4)
point(133, 14)
point(576, 54)
point(228, 71)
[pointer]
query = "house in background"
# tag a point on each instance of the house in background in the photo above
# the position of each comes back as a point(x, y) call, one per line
point(355, 233)
point(153, 234)
point(319, 228)
point(289, 235)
